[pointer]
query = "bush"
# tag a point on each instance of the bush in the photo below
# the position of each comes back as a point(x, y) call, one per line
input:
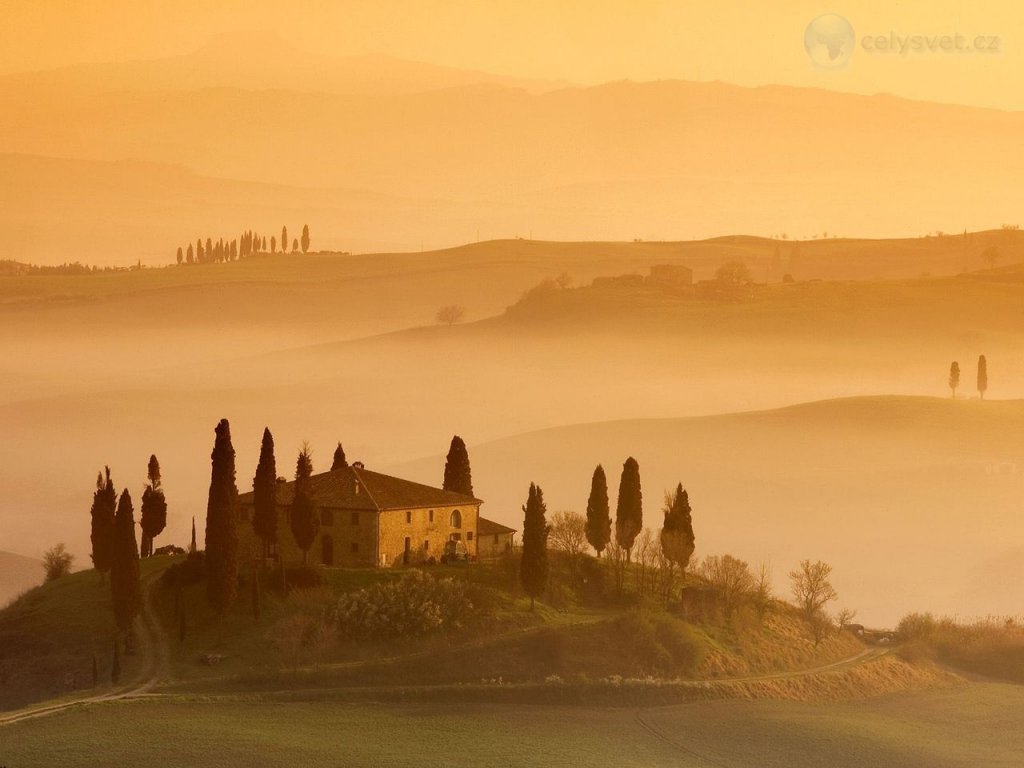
point(416, 604)
point(660, 644)
point(191, 570)
point(57, 562)
point(917, 626)
point(297, 577)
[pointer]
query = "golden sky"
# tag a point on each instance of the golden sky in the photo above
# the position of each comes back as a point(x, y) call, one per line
point(584, 41)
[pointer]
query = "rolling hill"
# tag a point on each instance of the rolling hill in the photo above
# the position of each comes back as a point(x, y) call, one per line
point(17, 573)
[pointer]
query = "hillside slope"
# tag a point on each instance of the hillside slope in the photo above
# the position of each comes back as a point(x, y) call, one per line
point(17, 573)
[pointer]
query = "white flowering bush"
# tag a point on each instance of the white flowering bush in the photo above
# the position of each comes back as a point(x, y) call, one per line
point(416, 604)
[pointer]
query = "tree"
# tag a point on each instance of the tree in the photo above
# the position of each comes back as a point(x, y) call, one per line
point(295, 245)
point(629, 513)
point(221, 535)
point(124, 570)
point(180, 256)
point(190, 256)
point(533, 570)
point(154, 508)
point(450, 314)
point(982, 376)
point(599, 521)
point(57, 562)
point(677, 539)
point(990, 256)
point(731, 577)
point(339, 458)
point(264, 494)
point(305, 238)
point(568, 533)
point(811, 587)
point(844, 618)
point(284, 239)
point(104, 504)
point(305, 522)
point(954, 377)
point(192, 549)
point(458, 478)
point(734, 274)
point(273, 244)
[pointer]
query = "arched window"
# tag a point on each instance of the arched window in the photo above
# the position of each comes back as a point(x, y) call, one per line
point(456, 519)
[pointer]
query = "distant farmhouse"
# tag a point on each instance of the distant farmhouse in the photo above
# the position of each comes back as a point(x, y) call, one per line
point(370, 519)
point(672, 278)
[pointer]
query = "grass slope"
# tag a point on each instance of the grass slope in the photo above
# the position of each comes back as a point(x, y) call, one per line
point(17, 573)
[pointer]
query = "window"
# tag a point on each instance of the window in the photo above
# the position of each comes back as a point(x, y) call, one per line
point(426, 545)
point(355, 546)
point(355, 518)
point(456, 521)
point(431, 515)
point(327, 517)
point(408, 516)
point(469, 535)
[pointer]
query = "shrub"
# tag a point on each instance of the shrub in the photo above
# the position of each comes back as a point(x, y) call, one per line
point(297, 577)
point(917, 626)
point(57, 562)
point(191, 570)
point(416, 604)
point(660, 644)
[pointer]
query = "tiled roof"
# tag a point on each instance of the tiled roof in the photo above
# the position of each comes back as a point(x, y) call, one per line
point(485, 527)
point(377, 492)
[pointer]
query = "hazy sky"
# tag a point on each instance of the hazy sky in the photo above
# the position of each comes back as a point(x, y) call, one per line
point(583, 41)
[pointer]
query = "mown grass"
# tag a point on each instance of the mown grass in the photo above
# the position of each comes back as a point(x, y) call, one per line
point(968, 726)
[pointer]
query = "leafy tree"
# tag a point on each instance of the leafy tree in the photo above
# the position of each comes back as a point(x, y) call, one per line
point(982, 376)
point(450, 314)
point(954, 377)
point(295, 245)
point(304, 520)
point(458, 477)
point(568, 533)
point(57, 562)
point(599, 521)
point(305, 238)
point(811, 587)
point(339, 458)
point(677, 539)
point(629, 513)
point(124, 570)
point(264, 494)
point(154, 508)
point(533, 570)
point(221, 560)
point(104, 504)
point(731, 578)
point(734, 274)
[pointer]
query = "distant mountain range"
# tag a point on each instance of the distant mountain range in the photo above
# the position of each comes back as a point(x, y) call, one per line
point(416, 155)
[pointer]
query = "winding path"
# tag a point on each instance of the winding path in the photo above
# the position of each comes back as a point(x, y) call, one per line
point(155, 663)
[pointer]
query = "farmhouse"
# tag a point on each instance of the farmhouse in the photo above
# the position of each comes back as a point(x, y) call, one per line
point(370, 519)
point(494, 540)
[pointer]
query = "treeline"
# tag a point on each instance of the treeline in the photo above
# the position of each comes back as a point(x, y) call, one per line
point(10, 268)
point(249, 243)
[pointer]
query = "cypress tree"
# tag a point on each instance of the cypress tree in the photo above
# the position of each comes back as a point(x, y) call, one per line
point(115, 667)
point(457, 475)
point(104, 503)
point(533, 571)
point(190, 256)
point(273, 244)
point(982, 376)
point(221, 536)
point(629, 513)
point(295, 245)
point(180, 257)
point(264, 494)
point(677, 540)
point(284, 239)
point(304, 520)
point(599, 521)
point(339, 458)
point(154, 508)
point(954, 377)
point(256, 596)
point(305, 238)
point(192, 549)
point(124, 571)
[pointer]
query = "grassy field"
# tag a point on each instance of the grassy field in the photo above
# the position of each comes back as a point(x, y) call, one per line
point(971, 726)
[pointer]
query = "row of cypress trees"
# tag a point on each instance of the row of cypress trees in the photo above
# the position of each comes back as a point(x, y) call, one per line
point(247, 244)
point(954, 377)
point(677, 538)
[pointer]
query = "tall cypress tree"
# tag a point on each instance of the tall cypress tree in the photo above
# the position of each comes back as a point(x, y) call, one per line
point(221, 534)
point(104, 503)
point(677, 540)
point(284, 239)
point(954, 377)
point(305, 238)
point(339, 458)
point(125, 588)
point(533, 571)
point(457, 475)
point(599, 521)
point(154, 508)
point(982, 376)
point(305, 521)
point(264, 494)
point(629, 513)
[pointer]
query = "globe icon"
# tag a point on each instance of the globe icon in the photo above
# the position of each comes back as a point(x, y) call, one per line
point(829, 41)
